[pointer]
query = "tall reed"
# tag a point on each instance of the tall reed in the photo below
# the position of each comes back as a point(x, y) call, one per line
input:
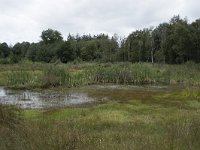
point(73, 75)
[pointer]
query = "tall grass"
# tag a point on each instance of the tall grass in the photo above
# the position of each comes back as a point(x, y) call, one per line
point(54, 76)
point(22, 79)
point(9, 115)
point(183, 132)
point(131, 74)
point(10, 126)
point(72, 75)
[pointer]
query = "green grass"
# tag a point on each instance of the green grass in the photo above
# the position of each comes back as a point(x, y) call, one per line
point(158, 120)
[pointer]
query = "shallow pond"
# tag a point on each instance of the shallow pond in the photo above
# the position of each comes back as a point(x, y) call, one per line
point(29, 99)
point(77, 96)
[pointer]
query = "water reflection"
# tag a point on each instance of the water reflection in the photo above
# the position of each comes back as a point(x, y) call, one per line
point(28, 99)
point(2, 92)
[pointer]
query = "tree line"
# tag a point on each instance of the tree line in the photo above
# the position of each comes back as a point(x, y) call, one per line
point(174, 42)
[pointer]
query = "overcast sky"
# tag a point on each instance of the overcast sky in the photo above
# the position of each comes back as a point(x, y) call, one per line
point(24, 20)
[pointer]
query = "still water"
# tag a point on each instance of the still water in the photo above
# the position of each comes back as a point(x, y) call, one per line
point(70, 97)
point(29, 99)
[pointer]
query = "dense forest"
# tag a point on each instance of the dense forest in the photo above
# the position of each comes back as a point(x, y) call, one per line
point(174, 42)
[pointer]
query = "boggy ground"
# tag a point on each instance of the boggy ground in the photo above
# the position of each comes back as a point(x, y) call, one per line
point(138, 119)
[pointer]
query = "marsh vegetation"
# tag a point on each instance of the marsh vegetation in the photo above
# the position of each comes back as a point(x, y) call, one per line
point(142, 118)
point(130, 118)
point(40, 75)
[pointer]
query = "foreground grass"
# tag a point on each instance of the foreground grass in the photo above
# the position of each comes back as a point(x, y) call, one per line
point(155, 121)
point(40, 75)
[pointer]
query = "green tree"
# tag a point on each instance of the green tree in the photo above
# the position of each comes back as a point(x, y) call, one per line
point(4, 50)
point(179, 40)
point(20, 49)
point(88, 51)
point(138, 45)
point(50, 36)
point(32, 52)
point(159, 42)
point(65, 52)
point(195, 52)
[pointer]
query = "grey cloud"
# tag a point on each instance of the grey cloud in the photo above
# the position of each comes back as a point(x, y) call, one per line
point(24, 20)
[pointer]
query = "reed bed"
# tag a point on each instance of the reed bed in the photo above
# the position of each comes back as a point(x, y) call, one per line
point(72, 75)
